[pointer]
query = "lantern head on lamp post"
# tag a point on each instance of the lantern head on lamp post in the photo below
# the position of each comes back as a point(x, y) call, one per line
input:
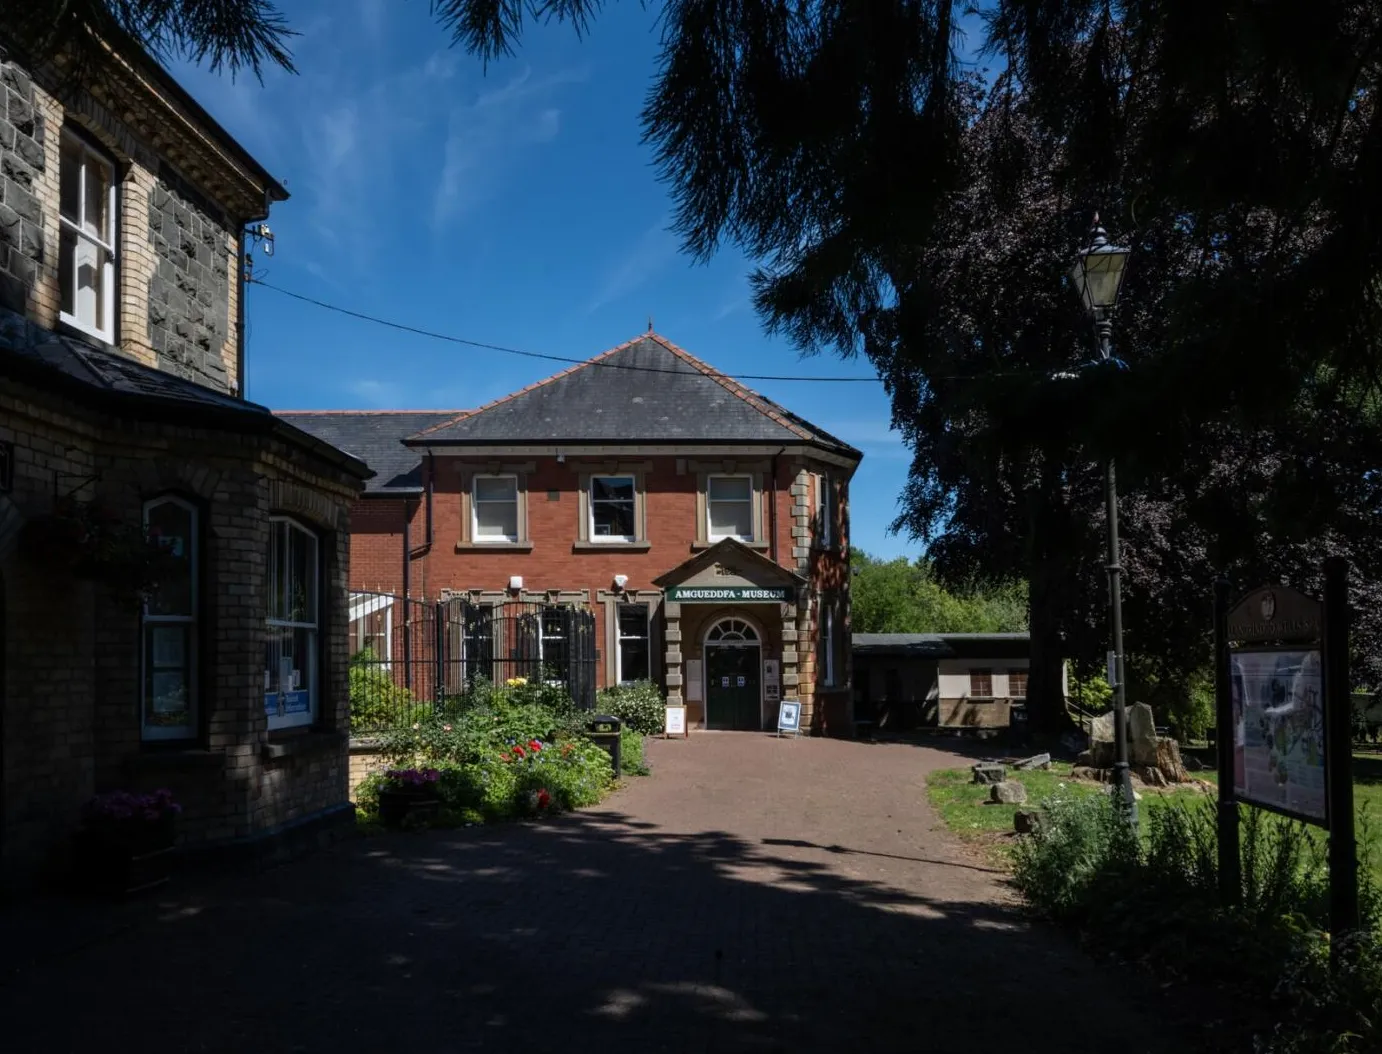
point(1098, 277)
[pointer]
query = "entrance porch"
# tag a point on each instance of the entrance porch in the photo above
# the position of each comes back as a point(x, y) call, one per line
point(734, 623)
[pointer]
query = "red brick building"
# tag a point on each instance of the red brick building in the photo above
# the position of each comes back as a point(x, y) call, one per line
point(704, 526)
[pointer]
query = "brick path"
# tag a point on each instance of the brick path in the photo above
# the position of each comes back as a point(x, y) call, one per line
point(752, 895)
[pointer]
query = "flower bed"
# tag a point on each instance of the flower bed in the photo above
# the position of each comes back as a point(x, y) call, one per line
point(498, 753)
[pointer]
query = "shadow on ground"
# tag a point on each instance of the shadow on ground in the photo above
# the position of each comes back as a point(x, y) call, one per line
point(595, 932)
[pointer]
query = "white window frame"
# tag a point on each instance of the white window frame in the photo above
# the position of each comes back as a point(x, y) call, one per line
point(149, 621)
point(825, 510)
point(620, 637)
point(709, 501)
point(633, 503)
point(542, 644)
point(105, 331)
point(362, 605)
point(475, 535)
point(313, 627)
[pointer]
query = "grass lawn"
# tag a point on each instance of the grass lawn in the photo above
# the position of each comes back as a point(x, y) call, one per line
point(964, 807)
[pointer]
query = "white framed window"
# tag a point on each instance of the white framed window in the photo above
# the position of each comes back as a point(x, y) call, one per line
point(554, 649)
point(494, 509)
point(371, 626)
point(613, 510)
point(633, 657)
point(86, 239)
point(729, 508)
point(168, 644)
point(290, 650)
point(825, 511)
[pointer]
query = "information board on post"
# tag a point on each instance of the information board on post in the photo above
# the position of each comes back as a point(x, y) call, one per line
point(1279, 731)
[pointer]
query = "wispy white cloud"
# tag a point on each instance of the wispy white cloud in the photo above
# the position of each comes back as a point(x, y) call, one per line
point(649, 253)
point(487, 135)
point(376, 394)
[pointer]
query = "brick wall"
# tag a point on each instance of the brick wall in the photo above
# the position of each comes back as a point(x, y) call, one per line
point(555, 561)
point(71, 653)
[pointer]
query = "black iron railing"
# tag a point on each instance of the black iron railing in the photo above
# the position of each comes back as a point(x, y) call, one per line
point(411, 657)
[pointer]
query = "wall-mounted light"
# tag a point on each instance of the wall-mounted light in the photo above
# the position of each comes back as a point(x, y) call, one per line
point(620, 581)
point(515, 582)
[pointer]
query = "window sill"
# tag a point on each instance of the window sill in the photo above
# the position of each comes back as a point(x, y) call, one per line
point(494, 547)
point(69, 326)
point(286, 743)
point(159, 758)
point(700, 545)
point(612, 547)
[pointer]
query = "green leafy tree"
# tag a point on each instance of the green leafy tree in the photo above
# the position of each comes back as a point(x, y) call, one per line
point(902, 596)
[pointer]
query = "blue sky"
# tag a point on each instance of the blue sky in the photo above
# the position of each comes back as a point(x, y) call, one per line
point(514, 206)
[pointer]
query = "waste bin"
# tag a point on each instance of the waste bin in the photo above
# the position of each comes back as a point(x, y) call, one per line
point(1018, 730)
point(604, 732)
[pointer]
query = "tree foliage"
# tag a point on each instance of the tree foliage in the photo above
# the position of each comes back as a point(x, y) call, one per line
point(904, 596)
point(229, 35)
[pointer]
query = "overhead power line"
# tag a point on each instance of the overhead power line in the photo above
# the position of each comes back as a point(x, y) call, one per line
point(419, 331)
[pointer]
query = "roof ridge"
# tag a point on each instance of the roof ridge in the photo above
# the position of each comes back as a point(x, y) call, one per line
point(304, 413)
point(531, 387)
point(759, 402)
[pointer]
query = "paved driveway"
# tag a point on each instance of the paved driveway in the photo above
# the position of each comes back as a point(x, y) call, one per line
point(754, 894)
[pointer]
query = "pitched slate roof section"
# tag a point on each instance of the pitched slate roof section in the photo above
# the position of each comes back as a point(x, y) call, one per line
point(109, 381)
point(376, 438)
point(646, 390)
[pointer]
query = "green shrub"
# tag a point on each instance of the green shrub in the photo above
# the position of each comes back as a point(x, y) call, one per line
point(1156, 898)
point(631, 753)
point(375, 701)
point(639, 705)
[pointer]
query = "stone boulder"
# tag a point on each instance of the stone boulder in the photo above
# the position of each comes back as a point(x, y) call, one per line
point(1141, 735)
point(989, 773)
point(1009, 792)
point(1027, 821)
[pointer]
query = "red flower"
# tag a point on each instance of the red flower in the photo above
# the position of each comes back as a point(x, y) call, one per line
point(518, 753)
point(535, 745)
point(543, 798)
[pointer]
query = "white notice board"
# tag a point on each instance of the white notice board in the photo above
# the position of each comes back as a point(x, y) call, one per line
point(675, 724)
point(694, 676)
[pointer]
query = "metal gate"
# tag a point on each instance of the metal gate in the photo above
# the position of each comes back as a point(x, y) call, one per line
point(409, 657)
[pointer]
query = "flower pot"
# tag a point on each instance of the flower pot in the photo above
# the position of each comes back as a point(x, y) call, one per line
point(398, 807)
point(121, 867)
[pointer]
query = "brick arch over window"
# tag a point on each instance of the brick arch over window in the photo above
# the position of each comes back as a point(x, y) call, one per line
point(157, 476)
point(316, 509)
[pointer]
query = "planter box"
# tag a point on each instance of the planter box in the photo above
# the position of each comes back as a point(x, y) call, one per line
point(397, 807)
point(114, 869)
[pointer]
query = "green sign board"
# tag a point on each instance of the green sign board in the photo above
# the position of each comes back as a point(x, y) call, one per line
point(731, 594)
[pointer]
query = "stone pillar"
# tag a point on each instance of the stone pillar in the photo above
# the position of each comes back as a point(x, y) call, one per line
point(790, 655)
point(672, 656)
point(801, 522)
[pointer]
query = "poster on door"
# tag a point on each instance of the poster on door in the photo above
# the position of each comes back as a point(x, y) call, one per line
point(742, 680)
point(724, 681)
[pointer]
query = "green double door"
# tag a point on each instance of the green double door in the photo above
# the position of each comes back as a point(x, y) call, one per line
point(733, 696)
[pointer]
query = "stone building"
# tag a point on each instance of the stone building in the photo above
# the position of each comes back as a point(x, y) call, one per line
point(173, 559)
point(703, 527)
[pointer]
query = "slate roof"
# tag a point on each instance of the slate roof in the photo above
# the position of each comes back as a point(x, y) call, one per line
point(376, 438)
point(646, 390)
point(110, 381)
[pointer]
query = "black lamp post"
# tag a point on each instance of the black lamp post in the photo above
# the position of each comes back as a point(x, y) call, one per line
point(1098, 276)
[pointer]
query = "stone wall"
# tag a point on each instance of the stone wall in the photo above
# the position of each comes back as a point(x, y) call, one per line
point(70, 691)
point(24, 172)
point(177, 245)
point(189, 293)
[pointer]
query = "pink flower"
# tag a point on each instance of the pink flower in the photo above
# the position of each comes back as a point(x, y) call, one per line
point(446, 728)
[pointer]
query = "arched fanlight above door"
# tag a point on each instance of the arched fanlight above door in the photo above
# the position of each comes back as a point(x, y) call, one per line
point(732, 631)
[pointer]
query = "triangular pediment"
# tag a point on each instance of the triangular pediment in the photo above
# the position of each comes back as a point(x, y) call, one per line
point(730, 564)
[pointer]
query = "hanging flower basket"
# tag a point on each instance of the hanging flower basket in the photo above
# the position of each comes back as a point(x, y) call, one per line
point(91, 541)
